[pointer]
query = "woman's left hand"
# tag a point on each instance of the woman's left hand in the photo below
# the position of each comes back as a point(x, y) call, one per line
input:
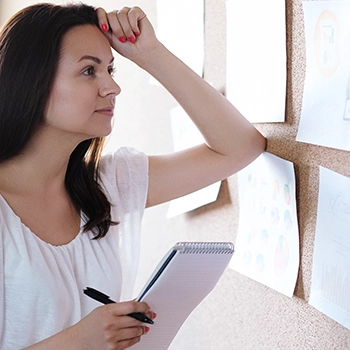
point(129, 31)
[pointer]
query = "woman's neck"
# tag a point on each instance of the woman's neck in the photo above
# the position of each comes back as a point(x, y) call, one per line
point(41, 166)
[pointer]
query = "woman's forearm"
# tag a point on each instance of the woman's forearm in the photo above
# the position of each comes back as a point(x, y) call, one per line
point(225, 130)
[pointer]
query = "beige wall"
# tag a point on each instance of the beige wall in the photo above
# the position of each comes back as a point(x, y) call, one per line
point(240, 313)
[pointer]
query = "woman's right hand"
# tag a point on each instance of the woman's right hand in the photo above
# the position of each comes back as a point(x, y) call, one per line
point(109, 327)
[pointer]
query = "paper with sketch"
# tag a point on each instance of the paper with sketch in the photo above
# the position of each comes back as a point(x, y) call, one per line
point(267, 245)
point(185, 135)
point(180, 27)
point(256, 58)
point(325, 117)
point(330, 286)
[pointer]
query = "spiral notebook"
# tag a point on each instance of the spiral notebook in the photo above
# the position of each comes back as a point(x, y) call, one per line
point(182, 279)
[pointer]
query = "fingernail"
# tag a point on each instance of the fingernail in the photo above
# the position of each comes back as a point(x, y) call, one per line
point(146, 329)
point(122, 39)
point(131, 39)
point(154, 315)
point(137, 34)
point(104, 28)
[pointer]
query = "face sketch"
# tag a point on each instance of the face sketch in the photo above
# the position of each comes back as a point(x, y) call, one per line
point(82, 99)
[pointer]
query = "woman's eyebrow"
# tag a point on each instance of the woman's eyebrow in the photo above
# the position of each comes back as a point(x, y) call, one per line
point(93, 58)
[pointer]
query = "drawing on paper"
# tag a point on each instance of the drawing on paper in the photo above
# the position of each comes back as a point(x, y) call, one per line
point(338, 207)
point(347, 101)
point(267, 245)
point(281, 256)
point(325, 116)
point(327, 43)
point(288, 223)
point(287, 194)
point(330, 283)
point(335, 287)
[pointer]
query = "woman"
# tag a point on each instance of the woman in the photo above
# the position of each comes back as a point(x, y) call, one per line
point(70, 218)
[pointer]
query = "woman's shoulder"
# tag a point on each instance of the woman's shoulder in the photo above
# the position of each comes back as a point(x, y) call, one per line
point(125, 172)
point(123, 157)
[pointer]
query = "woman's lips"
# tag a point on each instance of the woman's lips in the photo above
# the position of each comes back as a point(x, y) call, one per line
point(106, 111)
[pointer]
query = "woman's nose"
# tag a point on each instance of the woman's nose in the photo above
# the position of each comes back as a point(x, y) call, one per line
point(110, 88)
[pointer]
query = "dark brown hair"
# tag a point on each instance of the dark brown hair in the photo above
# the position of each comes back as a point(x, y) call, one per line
point(30, 44)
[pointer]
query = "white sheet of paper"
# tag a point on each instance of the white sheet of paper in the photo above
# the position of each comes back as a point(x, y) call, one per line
point(267, 245)
point(256, 58)
point(325, 117)
point(185, 135)
point(186, 275)
point(330, 286)
point(180, 27)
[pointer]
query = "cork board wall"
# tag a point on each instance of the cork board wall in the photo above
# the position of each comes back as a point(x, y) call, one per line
point(251, 315)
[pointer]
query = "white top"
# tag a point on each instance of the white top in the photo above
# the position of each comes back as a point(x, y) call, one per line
point(41, 285)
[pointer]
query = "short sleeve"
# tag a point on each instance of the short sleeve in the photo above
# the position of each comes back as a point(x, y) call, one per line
point(124, 177)
point(125, 172)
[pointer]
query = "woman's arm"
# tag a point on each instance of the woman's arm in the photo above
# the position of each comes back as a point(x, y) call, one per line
point(231, 141)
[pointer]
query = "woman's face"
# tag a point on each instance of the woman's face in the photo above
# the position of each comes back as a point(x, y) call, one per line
point(82, 99)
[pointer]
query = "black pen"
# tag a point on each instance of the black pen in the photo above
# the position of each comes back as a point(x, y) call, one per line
point(104, 299)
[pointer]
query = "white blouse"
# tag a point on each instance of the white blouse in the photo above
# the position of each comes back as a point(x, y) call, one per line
point(41, 285)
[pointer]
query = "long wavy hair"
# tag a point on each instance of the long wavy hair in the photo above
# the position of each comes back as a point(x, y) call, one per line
point(30, 45)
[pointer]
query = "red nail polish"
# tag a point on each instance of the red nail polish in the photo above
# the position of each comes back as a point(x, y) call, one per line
point(146, 329)
point(122, 39)
point(154, 315)
point(137, 34)
point(104, 28)
point(131, 39)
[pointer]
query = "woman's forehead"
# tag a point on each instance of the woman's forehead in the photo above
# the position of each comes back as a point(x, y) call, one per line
point(85, 40)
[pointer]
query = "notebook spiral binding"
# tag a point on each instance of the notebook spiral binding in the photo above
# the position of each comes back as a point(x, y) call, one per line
point(205, 247)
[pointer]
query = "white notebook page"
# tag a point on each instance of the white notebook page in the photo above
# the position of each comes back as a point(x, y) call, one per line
point(184, 283)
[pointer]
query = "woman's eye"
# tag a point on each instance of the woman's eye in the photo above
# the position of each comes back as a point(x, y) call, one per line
point(111, 71)
point(89, 71)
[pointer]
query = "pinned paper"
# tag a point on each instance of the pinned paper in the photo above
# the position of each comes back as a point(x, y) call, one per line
point(180, 27)
point(256, 58)
point(325, 117)
point(267, 245)
point(330, 286)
